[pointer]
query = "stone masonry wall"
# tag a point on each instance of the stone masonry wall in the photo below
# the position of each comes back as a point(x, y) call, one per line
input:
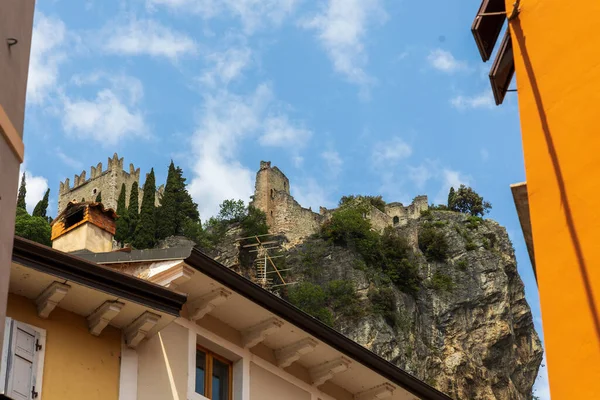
point(106, 182)
point(286, 216)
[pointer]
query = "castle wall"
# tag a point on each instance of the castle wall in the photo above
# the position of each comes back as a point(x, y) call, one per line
point(107, 182)
point(286, 216)
point(293, 220)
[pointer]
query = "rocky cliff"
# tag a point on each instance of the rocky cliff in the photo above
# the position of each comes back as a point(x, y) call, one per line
point(464, 326)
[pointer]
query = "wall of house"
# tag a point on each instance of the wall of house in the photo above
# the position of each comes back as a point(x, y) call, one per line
point(86, 236)
point(266, 386)
point(559, 92)
point(163, 365)
point(77, 364)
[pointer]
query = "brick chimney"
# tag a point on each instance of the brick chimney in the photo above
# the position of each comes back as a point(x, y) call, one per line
point(84, 226)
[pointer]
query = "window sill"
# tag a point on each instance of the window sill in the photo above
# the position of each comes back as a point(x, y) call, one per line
point(193, 396)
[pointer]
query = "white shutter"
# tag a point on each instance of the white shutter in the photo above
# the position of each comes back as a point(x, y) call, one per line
point(22, 359)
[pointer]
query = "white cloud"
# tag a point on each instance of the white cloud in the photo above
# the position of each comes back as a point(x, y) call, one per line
point(146, 37)
point(334, 162)
point(113, 112)
point(280, 132)
point(226, 66)
point(421, 174)
point(36, 188)
point(441, 176)
point(298, 161)
point(70, 161)
point(47, 54)
point(482, 100)
point(226, 119)
point(309, 193)
point(341, 28)
point(450, 178)
point(444, 61)
point(390, 152)
point(254, 14)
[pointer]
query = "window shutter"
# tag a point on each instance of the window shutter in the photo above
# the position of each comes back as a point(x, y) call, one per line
point(22, 360)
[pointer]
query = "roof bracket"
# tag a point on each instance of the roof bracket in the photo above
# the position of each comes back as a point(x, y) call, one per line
point(382, 391)
point(205, 304)
point(288, 354)
point(324, 372)
point(140, 328)
point(50, 297)
point(259, 332)
point(100, 318)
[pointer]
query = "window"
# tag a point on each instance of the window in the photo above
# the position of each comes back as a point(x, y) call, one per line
point(94, 191)
point(503, 69)
point(396, 220)
point(73, 217)
point(487, 26)
point(213, 375)
point(22, 361)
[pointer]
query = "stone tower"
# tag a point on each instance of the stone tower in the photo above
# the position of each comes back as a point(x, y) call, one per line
point(106, 182)
point(269, 181)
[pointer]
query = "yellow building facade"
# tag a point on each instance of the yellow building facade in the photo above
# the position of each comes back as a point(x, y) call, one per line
point(557, 63)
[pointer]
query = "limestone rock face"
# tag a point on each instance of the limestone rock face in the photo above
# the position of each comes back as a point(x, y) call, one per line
point(472, 339)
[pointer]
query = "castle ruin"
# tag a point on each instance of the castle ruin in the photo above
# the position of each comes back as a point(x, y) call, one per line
point(107, 182)
point(286, 216)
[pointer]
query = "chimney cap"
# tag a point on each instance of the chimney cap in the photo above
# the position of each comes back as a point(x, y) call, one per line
point(74, 206)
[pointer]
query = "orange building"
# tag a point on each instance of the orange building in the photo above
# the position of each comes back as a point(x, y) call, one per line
point(552, 46)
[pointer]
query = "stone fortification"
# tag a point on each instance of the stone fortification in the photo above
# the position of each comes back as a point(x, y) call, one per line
point(286, 216)
point(108, 182)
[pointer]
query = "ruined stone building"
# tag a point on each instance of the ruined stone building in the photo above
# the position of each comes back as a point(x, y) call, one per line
point(286, 216)
point(107, 182)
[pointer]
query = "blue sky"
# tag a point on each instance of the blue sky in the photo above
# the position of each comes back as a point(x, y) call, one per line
point(345, 96)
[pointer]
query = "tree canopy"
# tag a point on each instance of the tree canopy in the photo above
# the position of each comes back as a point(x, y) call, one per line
point(466, 200)
point(41, 208)
point(144, 236)
point(133, 211)
point(122, 231)
point(33, 227)
point(22, 193)
point(178, 214)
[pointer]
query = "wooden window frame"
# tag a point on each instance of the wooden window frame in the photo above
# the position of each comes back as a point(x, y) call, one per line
point(209, 356)
point(503, 69)
point(487, 26)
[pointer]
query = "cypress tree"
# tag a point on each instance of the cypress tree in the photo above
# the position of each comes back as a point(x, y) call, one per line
point(42, 206)
point(99, 197)
point(144, 236)
point(178, 213)
point(83, 199)
point(22, 192)
point(134, 210)
point(122, 232)
point(451, 198)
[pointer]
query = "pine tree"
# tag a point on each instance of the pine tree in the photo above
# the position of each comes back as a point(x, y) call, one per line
point(122, 232)
point(42, 206)
point(22, 192)
point(134, 210)
point(178, 213)
point(144, 236)
point(99, 197)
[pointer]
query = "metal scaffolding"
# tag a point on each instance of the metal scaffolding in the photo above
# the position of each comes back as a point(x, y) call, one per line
point(265, 267)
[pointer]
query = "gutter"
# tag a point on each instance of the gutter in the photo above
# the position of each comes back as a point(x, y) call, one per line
point(45, 259)
point(311, 325)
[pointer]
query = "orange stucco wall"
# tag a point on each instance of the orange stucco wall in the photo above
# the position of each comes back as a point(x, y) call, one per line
point(558, 80)
point(77, 364)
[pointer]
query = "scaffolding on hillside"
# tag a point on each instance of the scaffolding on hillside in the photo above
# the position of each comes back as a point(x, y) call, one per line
point(265, 245)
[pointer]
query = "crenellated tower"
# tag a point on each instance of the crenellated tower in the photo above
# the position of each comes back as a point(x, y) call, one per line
point(108, 182)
